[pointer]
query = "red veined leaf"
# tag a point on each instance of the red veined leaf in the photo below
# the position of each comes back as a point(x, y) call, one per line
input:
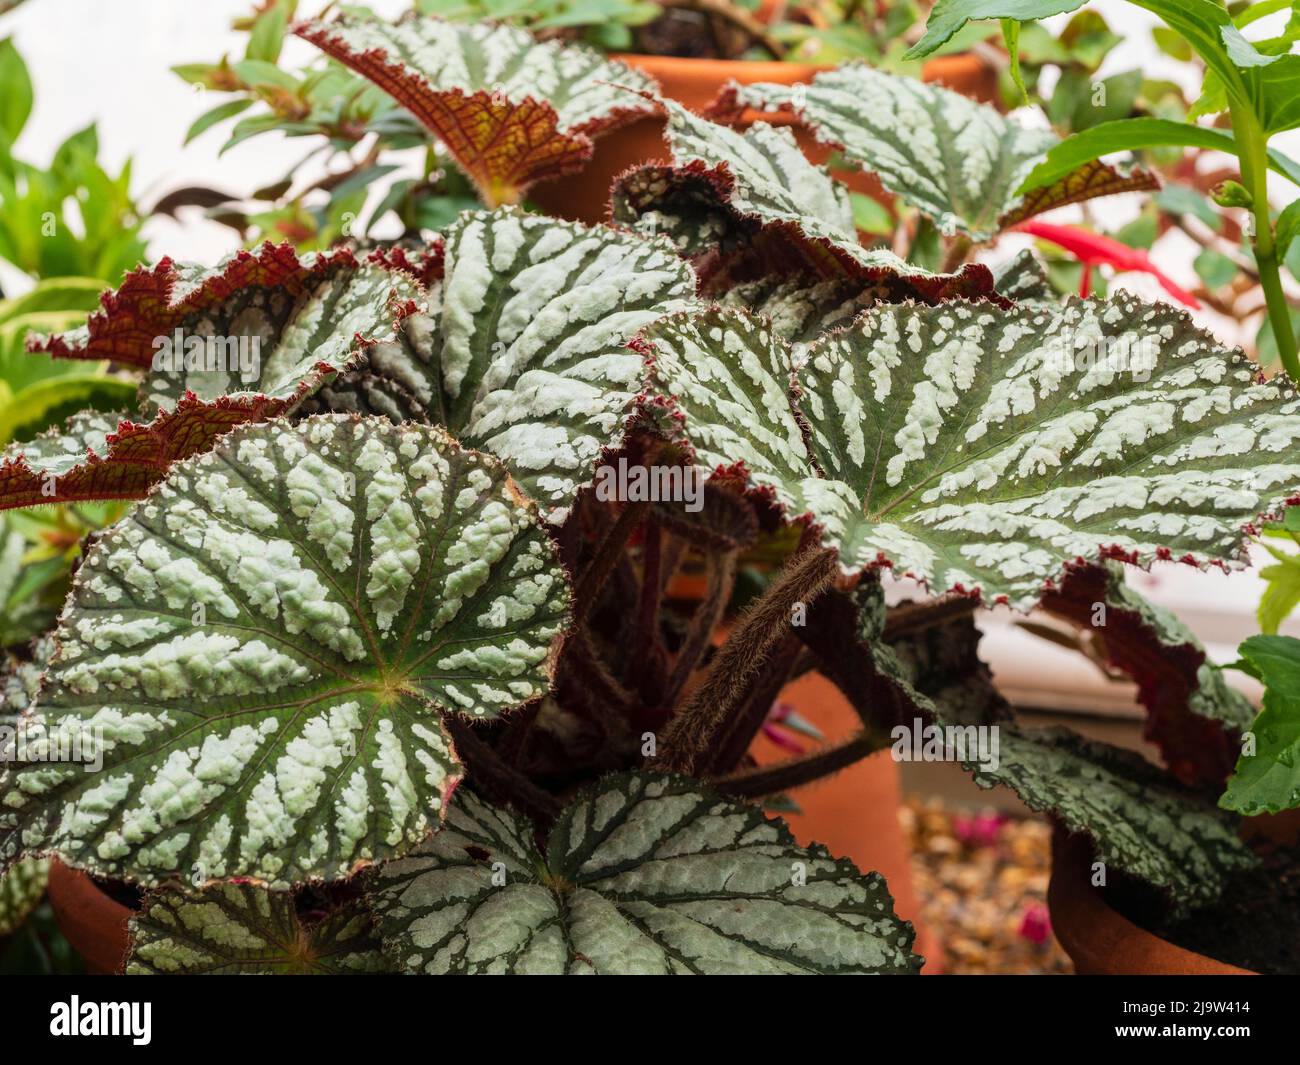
point(511, 110)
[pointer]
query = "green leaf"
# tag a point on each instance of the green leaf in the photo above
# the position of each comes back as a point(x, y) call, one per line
point(511, 111)
point(1214, 268)
point(642, 874)
point(525, 351)
point(1287, 227)
point(22, 888)
point(242, 929)
point(16, 97)
point(39, 405)
point(1141, 823)
point(1011, 39)
point(949, 16)
point(1131, 134)
point(978, 449)
point(1267, 779)
point(266, 37)
point(957, 161)
point(262, 650)
point(216, 115)
point(1282, 594)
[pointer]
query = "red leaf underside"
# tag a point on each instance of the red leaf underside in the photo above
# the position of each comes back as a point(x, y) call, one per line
point(136, 456)
point(153, 301)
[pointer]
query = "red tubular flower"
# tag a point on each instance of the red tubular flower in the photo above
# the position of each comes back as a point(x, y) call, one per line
point(1093, 249)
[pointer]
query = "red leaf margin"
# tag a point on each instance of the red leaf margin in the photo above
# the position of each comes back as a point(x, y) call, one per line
point(782, 248)
point(152, 301)
point(138, 455)
point(1198, 750)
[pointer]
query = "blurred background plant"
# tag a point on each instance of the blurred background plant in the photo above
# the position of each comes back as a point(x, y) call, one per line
point(68, 231)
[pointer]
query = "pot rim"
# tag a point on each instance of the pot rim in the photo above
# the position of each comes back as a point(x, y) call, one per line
point(1098, 938)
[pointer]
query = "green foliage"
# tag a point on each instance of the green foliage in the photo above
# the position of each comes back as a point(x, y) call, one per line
point(641, 874)
point(1267, 779)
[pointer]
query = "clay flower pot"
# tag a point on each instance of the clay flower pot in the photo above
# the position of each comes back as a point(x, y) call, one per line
point(93, 922)
point(584, 196)
point(854, 813)
point(1101, 942)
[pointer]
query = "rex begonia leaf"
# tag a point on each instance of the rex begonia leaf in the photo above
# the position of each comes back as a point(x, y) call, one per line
point(243, 929)
point(243, 342)
point(642, 874)
point(510, 109)
point(270, 293)
point(957, 161)
point(261, 652)
point(757, 192)
point(1267, 776)
point(982, 450)
point(22, 887)
point(1142, 822)
point(524, 353)
point(1023, 279)
point(1193, 715)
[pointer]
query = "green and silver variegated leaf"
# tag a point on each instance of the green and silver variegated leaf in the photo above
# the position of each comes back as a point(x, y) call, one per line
point(802, 310)
point(524, 353)
point(1193, 715)
point(981, 450)
point(272, 342)
point(761, 174)
point(958, 161)
point(22, 887)
point(1140, 821)
point(728, 375)
point(1024, 280)
point(243, 929)
point(643, 874)
point(261, 650)
point(511, 110)
point(1143, 823)
point(755, 194)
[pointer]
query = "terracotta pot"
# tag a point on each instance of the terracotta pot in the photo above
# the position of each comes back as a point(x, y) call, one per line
point(1098, 939)
point(93, 922)
point(854, 813)
point(584, 196)
point(1101, 942)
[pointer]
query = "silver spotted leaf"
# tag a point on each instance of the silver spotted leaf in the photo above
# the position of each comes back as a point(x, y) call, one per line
point(261, 651)
point(982, 450)
point(242, 929)
point(958, 161)
point(22, 887)
point(756, 197)
point(242, 342)
point(278, 343)
point(1140, 821)
point(801, 310)
point(1023, 279)
point(524, 353)
point(510, 109)
point(643, 874)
